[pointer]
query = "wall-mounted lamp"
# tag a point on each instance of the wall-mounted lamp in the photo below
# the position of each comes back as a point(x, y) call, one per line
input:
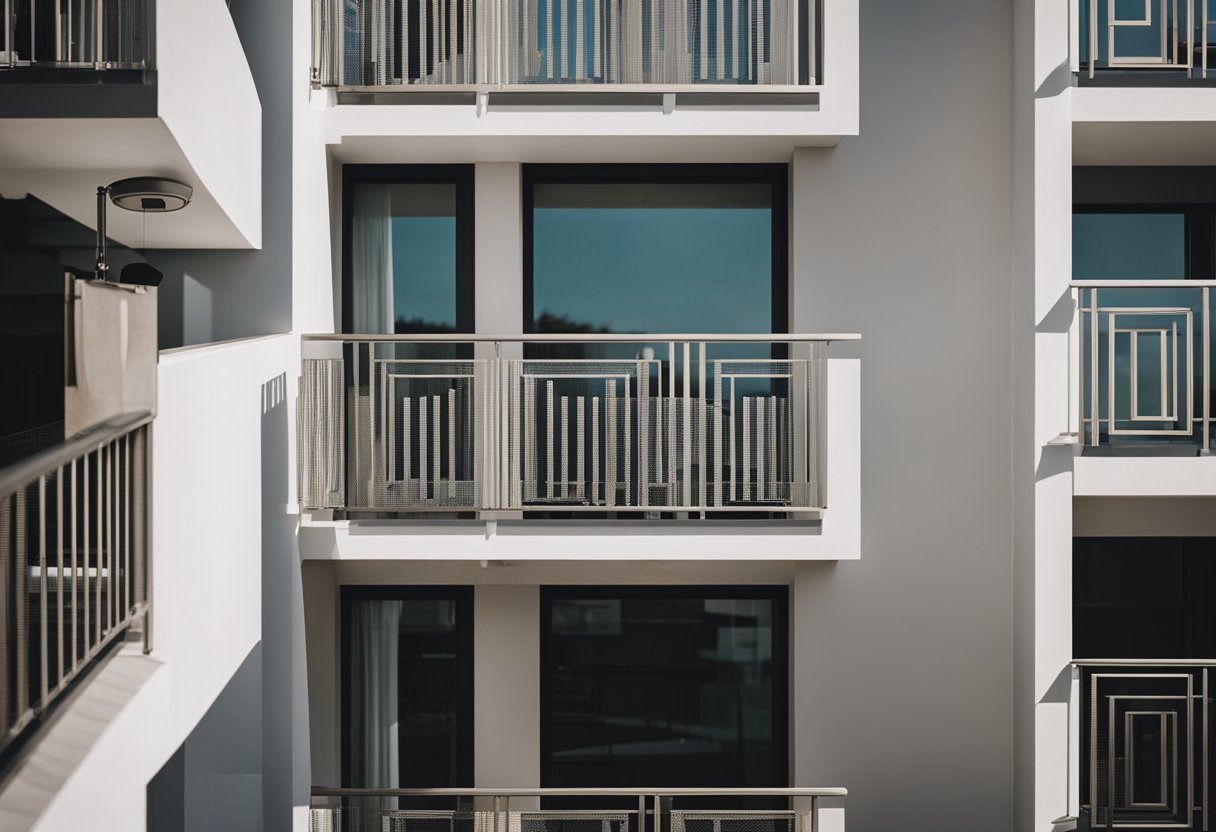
point(148, 195)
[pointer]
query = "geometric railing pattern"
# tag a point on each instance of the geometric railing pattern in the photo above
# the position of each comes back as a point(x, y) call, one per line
point(1148, 35)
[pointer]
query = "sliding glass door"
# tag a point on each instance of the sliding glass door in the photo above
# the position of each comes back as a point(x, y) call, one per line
point(407, 683)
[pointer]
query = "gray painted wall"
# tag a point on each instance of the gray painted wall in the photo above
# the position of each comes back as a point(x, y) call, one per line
point(220, 295)
point(905, 658)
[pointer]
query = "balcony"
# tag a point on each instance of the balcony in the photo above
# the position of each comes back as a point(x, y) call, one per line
point(619, 810)
point(671, 74)
point(647, 425)
point(1143, 352)
point(1165, 42)
point(74, 559)
point(92, 91)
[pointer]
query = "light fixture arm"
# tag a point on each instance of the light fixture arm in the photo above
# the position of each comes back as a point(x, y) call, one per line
point(101, 270)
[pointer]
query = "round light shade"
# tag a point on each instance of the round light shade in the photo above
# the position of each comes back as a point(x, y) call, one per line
point(150, 194)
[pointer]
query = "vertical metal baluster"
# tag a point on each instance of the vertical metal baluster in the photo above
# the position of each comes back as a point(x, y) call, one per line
point(423, 491)
point(772, 447)
point(8, 560)
point(747, 449)
point(702, 396)
point(596, 58)
point(86, 507)
point(21, 602)
point(436, 446)
point(127, 588)
point(1094, 400)
point(734, 420)
point(565, 439)
point(44, 670)
point(422, 42)
point(672, 445)
point(717, 452)
point(549, 439)
point(761, 491)
point(1206, 358)
point(610, 442)
point(452, 445)
point(686, 497)
point(530, 418)
point(719, 41)
point(406, 460)
point(580, 486)
point(642, 370)
point(59, 572)
point(627, 421)
point(580, 65)
point(595, 449)
point(75, 584)
point(551, 13)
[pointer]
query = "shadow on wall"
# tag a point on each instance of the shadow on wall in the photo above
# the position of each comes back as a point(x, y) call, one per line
point(235, 771)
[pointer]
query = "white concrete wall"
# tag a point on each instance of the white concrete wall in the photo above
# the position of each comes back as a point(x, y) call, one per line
point(207, 98)
point(207, 544)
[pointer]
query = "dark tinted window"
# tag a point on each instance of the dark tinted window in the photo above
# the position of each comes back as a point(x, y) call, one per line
point(664, 686)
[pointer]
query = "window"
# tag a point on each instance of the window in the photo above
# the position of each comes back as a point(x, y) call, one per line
point(672, 686)
point(408, 250)
point(1143, 242)
point(407, 687)
point(655, 248)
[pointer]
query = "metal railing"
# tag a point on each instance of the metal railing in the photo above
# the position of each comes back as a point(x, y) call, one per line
point(1144, 740)
point(73, 561)
point(582, 423)
point(601, 810)
point(494, 44)
point(1144, 360)
point(1161, 35)
point(76, 34)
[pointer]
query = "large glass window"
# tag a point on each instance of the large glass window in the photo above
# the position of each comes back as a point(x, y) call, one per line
point(672, 248)
point(1129, 245)
point(408, 249)
point(672, 686)
point(407, 687)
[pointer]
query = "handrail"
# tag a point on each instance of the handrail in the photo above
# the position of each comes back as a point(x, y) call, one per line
point(1134, 662)
point(48, 460)
point(1142, 284)
point(589, 337)
point(797, 791)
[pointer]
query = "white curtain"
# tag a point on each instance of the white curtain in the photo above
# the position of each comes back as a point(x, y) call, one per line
point(371, 259)
point(373, 690)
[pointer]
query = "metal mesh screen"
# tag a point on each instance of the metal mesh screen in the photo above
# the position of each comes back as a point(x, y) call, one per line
point(321, 434)
point(382, 42)
point(78, 33)
point(567, 821)
point(742, 821)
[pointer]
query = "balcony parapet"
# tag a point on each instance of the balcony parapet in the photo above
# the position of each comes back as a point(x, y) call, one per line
point(654, 425)
point(1161, 44)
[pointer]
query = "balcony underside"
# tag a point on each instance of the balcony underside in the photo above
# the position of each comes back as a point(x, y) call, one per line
point(1144, 126)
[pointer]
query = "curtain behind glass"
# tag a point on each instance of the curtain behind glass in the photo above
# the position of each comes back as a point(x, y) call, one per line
point(374, 646)
point(371, 259)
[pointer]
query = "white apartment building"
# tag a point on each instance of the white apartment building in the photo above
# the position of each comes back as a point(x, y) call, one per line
point(607, 415)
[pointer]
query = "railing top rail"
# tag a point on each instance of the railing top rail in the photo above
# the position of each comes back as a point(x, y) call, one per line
point(579, 89)
point(1144, 662)
point(329, 791)
point(44, 462)
point(1142, 284)
point(590, 337)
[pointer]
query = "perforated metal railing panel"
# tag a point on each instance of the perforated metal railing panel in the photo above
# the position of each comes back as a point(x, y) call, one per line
point(379, 433)
point(741, 821)
point(567, 42)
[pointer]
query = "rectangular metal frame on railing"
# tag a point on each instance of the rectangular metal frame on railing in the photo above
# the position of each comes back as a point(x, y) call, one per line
point(490, 810)
point(673, 424)
point(76, 34)
point(481, 45)
point(74, 561)
point(1176, 45)
point(1096, 358)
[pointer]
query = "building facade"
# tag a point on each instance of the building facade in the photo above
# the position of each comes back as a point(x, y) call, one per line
point(765, 415)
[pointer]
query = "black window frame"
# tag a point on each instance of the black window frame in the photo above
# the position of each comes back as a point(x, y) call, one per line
point(1199, 229)
point(462, 596)
point(779, 594)
point(462, 176)
point(774, 175)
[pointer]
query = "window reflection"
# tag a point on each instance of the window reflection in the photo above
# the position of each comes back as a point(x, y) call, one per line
point(662, 687)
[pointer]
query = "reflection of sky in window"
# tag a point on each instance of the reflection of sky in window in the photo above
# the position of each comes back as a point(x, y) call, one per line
point(424, 269)
point(1128, 247)
point(655, 269)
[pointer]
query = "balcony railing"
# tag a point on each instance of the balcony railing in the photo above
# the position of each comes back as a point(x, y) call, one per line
point(81, 34)
point(1146, 760)
point(1144, 352)
point(1153, 36)
point(495, 44)
point(73, 562)
point(604, 810)
point(567, 423)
